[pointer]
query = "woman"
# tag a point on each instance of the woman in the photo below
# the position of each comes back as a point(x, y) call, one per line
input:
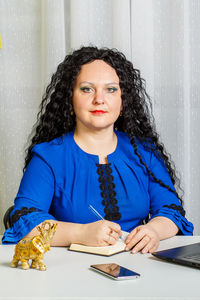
point(95, 144)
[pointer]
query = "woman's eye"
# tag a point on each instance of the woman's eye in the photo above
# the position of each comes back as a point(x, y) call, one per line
point(86, 89)
point(112, 89)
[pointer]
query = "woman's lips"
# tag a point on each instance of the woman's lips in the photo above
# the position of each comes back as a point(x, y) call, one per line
point(98, 112)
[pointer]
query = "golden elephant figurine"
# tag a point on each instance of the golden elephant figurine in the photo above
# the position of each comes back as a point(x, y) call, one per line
point(34, 248)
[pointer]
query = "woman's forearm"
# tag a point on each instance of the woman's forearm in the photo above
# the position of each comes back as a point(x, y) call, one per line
point(99, 233)
point(164, 227)
point(66, 233)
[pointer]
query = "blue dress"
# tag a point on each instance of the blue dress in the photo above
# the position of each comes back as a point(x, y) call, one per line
point(62, 180)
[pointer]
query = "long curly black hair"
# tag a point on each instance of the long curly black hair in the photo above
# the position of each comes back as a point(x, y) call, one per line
point(55, 119)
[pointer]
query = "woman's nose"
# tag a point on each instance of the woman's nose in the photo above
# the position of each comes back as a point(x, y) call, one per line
point(98, 97)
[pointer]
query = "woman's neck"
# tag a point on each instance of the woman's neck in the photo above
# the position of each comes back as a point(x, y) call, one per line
point(101, 142)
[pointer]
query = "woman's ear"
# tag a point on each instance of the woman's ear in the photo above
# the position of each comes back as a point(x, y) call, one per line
point(121, 110)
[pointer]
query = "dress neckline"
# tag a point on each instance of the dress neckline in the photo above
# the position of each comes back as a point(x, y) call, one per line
point(94, 157)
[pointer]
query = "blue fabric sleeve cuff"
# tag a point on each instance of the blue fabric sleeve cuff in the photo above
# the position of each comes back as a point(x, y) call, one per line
point(185, 227)
point(23, 226)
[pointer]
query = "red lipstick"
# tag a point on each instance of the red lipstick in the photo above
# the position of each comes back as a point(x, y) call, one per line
point(98, 112)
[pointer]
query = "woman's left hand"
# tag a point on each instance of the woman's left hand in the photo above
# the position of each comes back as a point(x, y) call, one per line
point(143, 238)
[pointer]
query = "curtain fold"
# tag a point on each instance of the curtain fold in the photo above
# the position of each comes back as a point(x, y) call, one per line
point(53, 37)
point(160, 37)
point(20, 89)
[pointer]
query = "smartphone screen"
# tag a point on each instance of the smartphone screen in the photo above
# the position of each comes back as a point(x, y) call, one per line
point(115, 271)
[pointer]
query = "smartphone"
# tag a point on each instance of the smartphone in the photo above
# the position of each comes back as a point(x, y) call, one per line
point(115, 271)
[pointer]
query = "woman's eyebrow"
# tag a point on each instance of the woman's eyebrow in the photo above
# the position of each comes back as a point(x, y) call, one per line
point(86, 82)
point(112, 83)
point(109, 83)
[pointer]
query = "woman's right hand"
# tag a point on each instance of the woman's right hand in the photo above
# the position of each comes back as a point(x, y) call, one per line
point(100, 233)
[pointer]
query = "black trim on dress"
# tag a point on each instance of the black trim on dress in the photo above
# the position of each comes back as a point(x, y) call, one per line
point(108, 192)
point(22, 212)
point(176, 207)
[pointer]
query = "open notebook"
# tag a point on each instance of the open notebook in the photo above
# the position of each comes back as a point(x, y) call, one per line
point(118, 247)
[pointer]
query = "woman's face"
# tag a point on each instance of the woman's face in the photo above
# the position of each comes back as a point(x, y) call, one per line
point(97, 96)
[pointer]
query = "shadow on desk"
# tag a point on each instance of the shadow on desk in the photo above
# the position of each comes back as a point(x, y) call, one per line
point(5, 264)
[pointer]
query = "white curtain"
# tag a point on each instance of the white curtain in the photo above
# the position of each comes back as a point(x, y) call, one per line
point(161, 37)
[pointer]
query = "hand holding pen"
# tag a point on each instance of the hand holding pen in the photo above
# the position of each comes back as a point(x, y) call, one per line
point(112, 230)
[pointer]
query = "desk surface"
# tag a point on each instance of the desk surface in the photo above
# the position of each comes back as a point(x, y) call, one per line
point(68, 276)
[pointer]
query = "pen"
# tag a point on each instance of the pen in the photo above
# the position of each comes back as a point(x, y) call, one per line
point(100, 216)
point(95, 212)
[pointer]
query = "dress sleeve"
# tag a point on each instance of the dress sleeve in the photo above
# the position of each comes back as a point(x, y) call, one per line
point(164, 202)
point(33, 200)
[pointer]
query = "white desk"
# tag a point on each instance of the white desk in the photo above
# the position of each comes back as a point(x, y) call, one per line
point(68, 277)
